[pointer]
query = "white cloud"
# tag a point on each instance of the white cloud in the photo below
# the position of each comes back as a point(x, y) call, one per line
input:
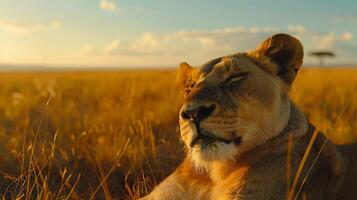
point(346, 36)
point(146, 43)
point(298, 29)
point(108, 5)
point(254, 30)
point(330, 40)
point(112, 47)
point(325, 42)
point(195, 42)
point(19, 27)
point(206, 41)
point(230, 30)
point(199, 45)
point(88, 49)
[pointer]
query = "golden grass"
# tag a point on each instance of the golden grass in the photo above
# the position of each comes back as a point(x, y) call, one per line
point(114, 134)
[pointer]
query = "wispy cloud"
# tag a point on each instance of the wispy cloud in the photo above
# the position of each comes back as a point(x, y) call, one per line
point(199, 45)
point(300, 29)
point(21, 27)
point(112, 47)
point(346, 36)
point(325, 41)
point(108, 5)
point(147, 43)
point(328, 41)
point(88, 49)
point(197, 41)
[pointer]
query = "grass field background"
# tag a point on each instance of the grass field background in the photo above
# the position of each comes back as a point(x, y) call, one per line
point(114, 135)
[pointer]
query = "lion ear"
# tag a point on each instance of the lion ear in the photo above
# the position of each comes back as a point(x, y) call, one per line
point(286, 51)
point(184, 74)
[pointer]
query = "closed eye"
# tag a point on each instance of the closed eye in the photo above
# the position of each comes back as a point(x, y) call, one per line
point(236, 77)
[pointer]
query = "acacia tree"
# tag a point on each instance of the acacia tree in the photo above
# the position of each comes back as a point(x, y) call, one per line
point(321, 55)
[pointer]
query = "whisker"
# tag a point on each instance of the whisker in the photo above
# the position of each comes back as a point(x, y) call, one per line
point(239, 116)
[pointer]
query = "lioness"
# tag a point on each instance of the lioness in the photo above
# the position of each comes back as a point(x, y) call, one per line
point(236, 121)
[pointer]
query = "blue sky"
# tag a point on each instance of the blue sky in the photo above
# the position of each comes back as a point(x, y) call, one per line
point(103, 33)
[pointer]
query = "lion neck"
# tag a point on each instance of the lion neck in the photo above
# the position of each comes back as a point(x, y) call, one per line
point(295, 124)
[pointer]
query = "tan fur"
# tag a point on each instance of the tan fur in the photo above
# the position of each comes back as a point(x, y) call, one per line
point(238, 150)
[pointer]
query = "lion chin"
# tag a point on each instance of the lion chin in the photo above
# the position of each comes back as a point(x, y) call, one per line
point(237, 122)
point(205, 149)
point(203, 156)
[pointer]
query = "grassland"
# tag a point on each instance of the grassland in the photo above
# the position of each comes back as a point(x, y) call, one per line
point(114, 134)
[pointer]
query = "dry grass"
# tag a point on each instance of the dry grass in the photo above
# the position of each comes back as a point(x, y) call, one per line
point(114, 135)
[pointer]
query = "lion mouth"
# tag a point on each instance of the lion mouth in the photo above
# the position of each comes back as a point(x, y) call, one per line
point(206, 138)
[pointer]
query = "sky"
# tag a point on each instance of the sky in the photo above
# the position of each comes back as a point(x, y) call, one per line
point(164, 33)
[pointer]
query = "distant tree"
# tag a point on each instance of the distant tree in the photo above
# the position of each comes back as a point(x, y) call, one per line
point(321, 55)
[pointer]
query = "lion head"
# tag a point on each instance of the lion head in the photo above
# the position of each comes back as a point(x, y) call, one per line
point(234, 103)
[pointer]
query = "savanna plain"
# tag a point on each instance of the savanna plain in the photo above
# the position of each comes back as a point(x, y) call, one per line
point(114, 135)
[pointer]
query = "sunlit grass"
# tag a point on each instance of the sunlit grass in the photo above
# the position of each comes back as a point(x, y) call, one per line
point(322, 94)
point(114, 134)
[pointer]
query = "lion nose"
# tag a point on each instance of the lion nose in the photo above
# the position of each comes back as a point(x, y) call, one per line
point(199, 113)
